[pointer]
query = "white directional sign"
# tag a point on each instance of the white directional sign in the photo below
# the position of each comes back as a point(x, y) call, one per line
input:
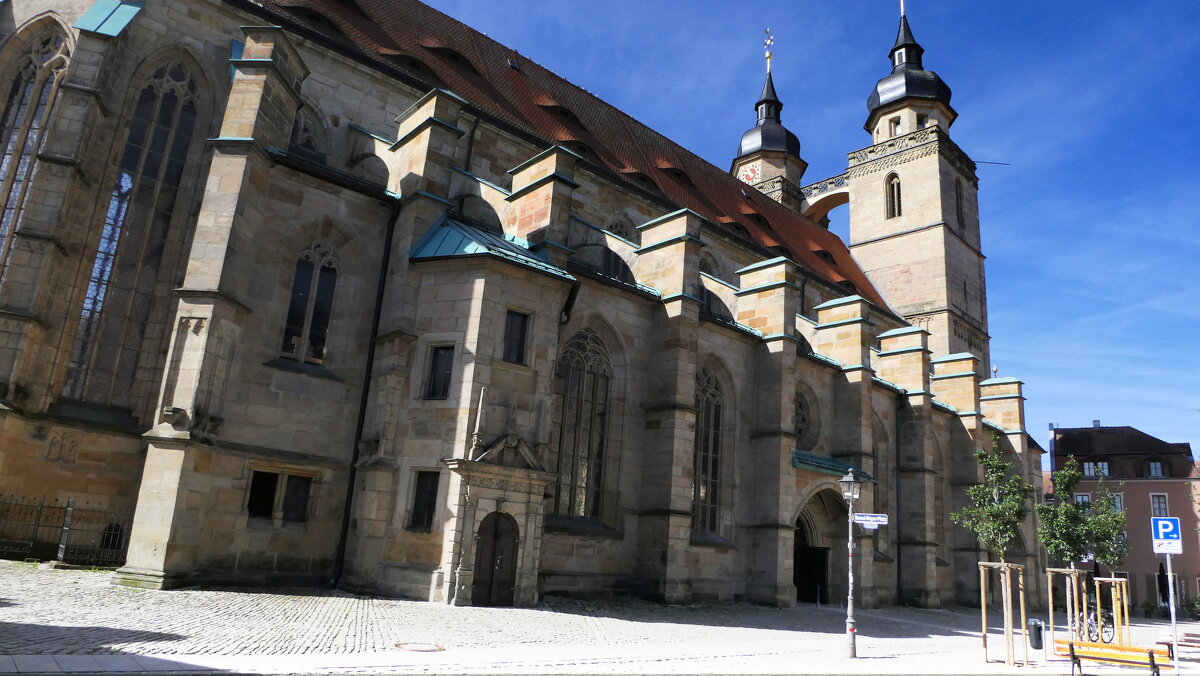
point(1167, 535)
point(871, 521)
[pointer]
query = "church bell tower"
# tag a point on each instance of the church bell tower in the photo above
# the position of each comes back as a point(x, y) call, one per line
point(769, 155)
point(914, 213)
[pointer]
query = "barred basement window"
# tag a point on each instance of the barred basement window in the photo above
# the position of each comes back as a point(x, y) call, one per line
point(583, 380)
point(39, 71)
point(706, 486)
point(892, 185)
point(307, 324)
point(124, 272)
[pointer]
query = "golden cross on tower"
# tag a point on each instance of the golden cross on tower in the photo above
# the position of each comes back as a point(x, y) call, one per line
point(767, 46)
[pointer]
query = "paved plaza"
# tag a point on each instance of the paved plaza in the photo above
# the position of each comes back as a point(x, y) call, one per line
point(75, 621)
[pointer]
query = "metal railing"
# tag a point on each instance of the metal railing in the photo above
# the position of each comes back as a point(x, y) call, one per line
point(82, 534)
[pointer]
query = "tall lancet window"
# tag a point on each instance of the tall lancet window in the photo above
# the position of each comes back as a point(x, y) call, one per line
point(124, 271)
point(38, 71)
point(892, 186)
point(706, 482)
point(583, 378)
point(311, 305)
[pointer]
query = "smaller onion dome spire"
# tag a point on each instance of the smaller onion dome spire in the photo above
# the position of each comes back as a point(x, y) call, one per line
point(768, 133)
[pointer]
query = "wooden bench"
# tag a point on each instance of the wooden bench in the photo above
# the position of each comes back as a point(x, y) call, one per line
point(1127, 655)
point(1186, 640)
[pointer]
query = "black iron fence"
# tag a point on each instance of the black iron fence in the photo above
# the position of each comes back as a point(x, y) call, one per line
point(62, 530)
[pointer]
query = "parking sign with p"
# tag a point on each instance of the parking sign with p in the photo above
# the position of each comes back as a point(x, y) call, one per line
point(1168, 537)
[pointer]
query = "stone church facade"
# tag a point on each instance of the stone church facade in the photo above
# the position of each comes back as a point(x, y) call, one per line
point(343, 291)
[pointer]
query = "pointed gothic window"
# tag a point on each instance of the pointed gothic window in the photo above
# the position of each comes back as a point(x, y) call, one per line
point(892, 186)
point(307, 137)
point(308, 315)
point(125, 268)
point(583, 382)
point(706, 484)
point(39, 70)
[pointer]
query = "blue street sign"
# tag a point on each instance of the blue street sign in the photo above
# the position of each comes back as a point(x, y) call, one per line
point(1167, 535)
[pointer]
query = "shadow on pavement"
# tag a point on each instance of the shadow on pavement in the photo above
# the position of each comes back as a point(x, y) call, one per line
point(19, 638)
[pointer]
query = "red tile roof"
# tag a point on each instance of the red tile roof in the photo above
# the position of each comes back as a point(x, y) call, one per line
point(531, 97)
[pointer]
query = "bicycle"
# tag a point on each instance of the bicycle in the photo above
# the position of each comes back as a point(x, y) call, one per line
point(1095, 633)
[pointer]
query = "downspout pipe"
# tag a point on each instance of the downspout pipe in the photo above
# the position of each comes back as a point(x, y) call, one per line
point(360, 424)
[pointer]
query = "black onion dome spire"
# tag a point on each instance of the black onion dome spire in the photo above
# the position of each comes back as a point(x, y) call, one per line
point(909, 79)
point(768, 133)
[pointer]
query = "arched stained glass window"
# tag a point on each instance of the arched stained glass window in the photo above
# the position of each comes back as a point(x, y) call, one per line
point(583, 378)
point(706, 485)
point(311, 305)
point(124, 271)
point(27, 106)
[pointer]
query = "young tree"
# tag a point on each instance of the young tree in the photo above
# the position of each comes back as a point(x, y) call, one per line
point(1062, 524)
point(997, 506)
point(1105, 529)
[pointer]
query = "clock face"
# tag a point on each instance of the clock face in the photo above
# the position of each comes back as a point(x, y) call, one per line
point(749, 173)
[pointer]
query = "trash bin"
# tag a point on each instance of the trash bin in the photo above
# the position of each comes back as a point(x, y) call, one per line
point(1035, 628)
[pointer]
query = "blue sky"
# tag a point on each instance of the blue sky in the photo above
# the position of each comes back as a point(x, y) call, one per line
point(1092, 230)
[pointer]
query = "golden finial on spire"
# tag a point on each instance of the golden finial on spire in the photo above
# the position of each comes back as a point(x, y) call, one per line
point(767, 46)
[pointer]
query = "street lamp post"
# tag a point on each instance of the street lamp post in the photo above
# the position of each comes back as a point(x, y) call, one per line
point(851, 487)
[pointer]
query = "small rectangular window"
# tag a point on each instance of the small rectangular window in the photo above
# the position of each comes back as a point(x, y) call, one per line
point(441, 366)
point(922, 120)
point(425, 490)
point(1158, 504)
point(1156, 469)
point(894, 126)
point(1119, 501)
point(1083, 498)
point(295, 499)
point(516, 329)
point(261, 503)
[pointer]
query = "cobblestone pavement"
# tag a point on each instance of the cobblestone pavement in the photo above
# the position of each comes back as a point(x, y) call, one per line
point(65, 615)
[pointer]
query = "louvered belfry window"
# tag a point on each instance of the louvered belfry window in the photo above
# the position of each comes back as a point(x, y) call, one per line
point(124, 271)
point(39, 70)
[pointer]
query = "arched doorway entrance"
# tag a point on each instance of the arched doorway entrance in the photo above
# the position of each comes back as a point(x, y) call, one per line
point(811, 571)
point(495, 561)
point(819, 570)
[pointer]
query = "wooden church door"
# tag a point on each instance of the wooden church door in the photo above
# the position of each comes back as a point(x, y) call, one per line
point(495, 561)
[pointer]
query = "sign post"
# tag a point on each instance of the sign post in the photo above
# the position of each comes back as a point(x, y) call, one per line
point(1168, 539)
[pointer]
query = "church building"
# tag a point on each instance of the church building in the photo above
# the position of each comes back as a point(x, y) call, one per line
point(344, 292)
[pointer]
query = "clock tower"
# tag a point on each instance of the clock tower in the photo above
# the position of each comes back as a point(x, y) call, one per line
point(769, 155)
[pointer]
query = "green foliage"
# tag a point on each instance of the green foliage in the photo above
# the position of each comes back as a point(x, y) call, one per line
point(997, 506)
point(1070, 531)
point(1105, 528)
point(1062, 524)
